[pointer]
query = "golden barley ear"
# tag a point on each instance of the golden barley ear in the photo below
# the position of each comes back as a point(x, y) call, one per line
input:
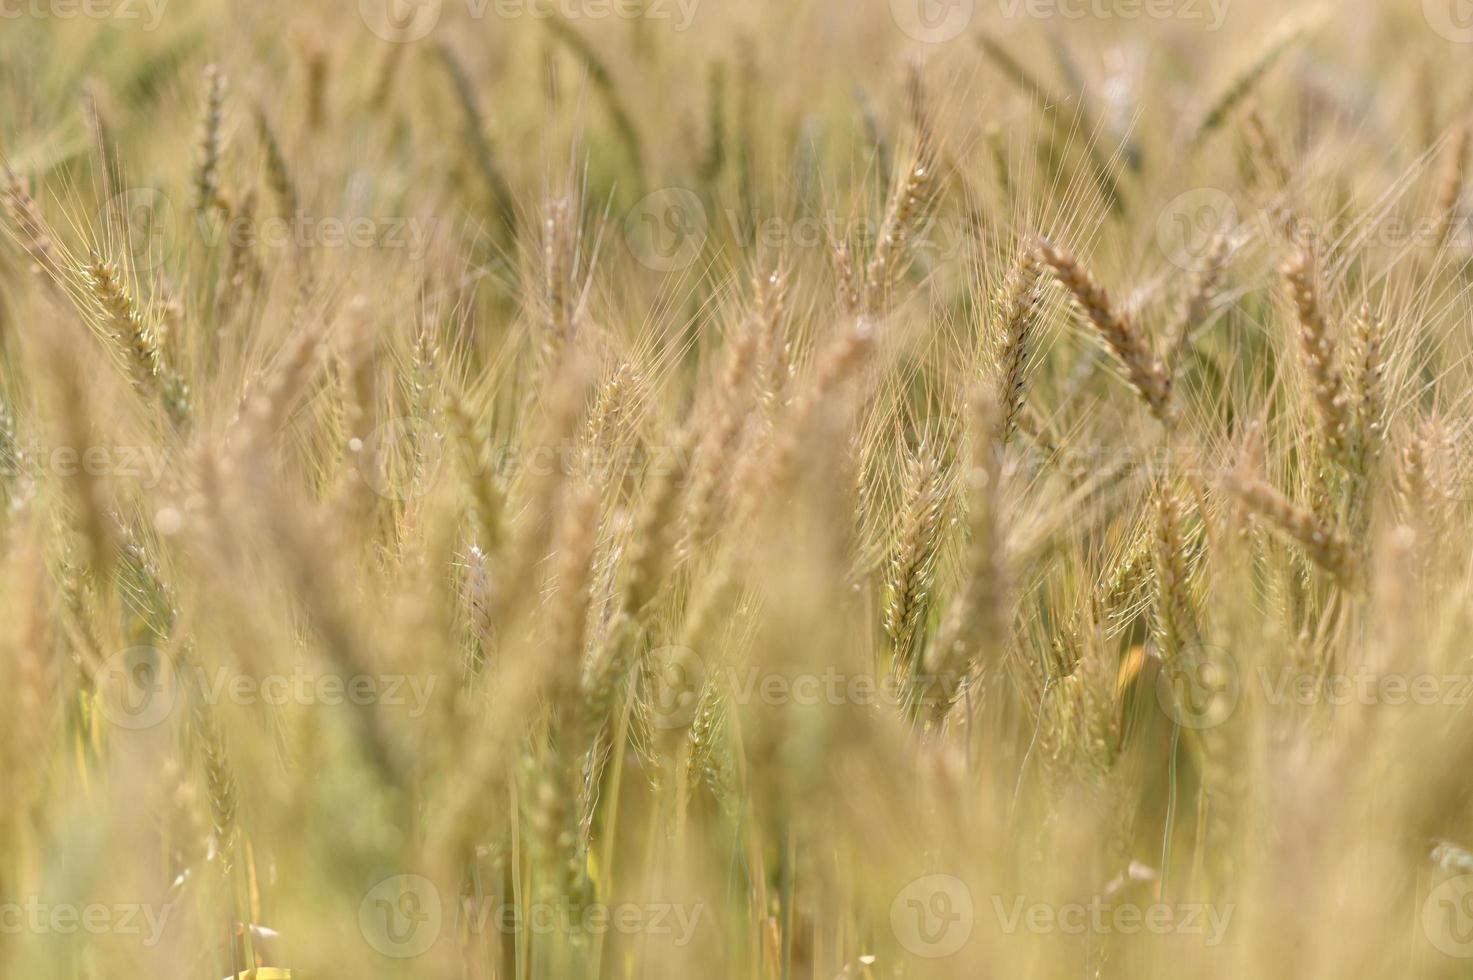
point(1143, 369)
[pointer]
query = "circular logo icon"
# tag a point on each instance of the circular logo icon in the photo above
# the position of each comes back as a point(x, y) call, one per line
point(1447, 917)
point(933, 21)
point(145, 218)
point(1200, 688)
point(679, 676)
point(401, 21)
point(400, 916)
point(933, 916)
point(666, 229)
point(137, 688)
point(1191, 222)
point(400, 458)
point(1451, 19)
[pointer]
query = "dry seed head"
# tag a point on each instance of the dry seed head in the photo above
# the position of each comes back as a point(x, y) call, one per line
point(1450, 188)
point(1325, 545)
point(1318, 348)
point(1143, 368)
point(1018, 304)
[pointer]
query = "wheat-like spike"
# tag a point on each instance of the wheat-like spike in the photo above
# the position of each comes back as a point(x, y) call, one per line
point(1324, 544)
point(480, 604)
point(974, 628)
point(220, 786)
point(847, 278)
point(577, 536)
point(1266, 150)
point(559, 245)
point(209, 144)
point(1143, 368)
point(1244, 82)
point(1450, 187)
point(913, 562)
point(278, 173)
point(905, 215)
point(1018, 306)
point(1370, 383)
point(1326, 383)
point(603, 82)
point(481, 148)
point(1175, 620)
point(35, 236)
point(125, 322)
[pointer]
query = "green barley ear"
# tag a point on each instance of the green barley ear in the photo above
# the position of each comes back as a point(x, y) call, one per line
point(1242, 84)
point(209, 148)
point(278, 173)
point(478, 142)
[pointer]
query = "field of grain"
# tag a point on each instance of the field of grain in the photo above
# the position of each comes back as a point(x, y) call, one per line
point(685, 488)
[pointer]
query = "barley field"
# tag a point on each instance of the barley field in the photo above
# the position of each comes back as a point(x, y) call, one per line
point(684, 488)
